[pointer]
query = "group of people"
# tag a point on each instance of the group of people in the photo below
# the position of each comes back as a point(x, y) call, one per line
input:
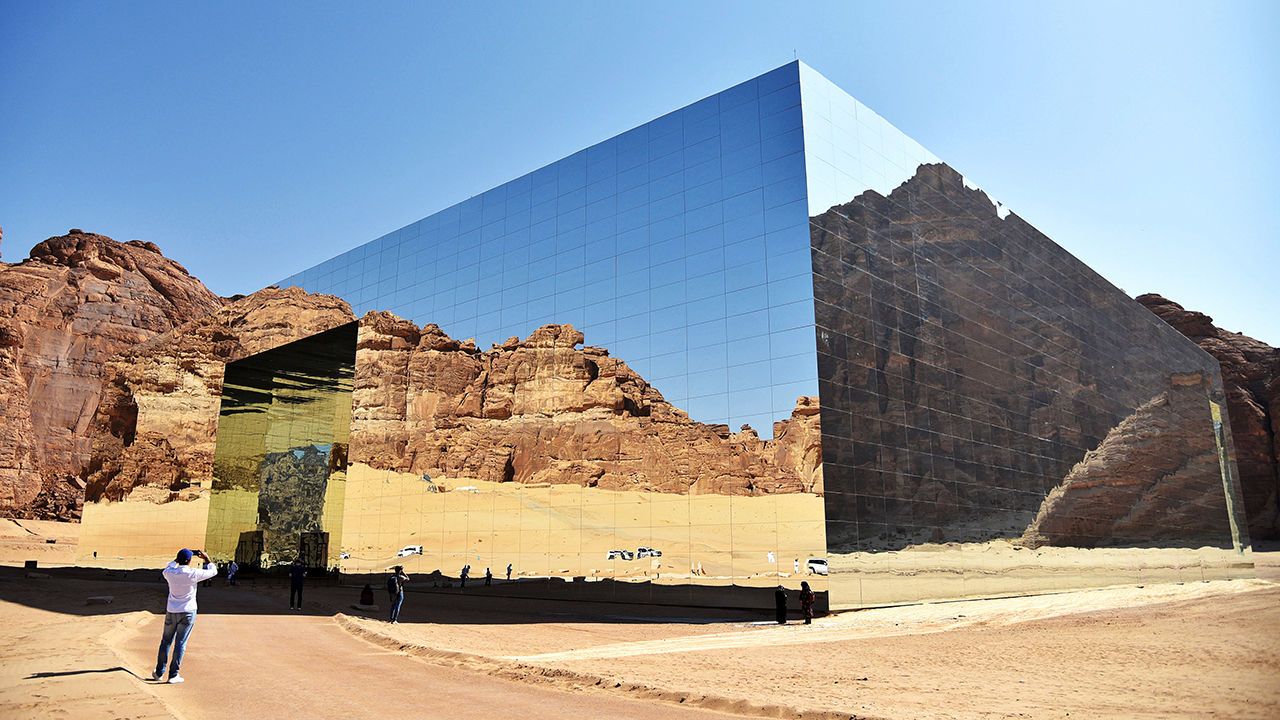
point(465, 573)
point(808, 598)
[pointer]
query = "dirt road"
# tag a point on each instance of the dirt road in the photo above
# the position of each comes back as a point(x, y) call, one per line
point(305, 666)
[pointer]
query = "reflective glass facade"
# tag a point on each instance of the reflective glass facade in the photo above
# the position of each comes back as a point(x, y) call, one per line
point(760, 340)
point(682, 246)
point(988, 401)
point(279, 470)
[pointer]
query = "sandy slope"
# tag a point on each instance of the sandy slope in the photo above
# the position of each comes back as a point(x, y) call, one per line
point(1187, 659)
point(1203, 649)
point(53, 665)
point(28, 540)
point(1198, 650)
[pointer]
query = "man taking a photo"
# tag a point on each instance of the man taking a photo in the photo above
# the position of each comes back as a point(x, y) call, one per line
point(180, 609)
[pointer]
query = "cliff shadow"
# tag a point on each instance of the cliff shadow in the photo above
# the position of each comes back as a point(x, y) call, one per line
point(68, 591)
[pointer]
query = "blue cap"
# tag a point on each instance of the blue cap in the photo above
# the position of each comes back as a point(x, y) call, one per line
point(184, 556)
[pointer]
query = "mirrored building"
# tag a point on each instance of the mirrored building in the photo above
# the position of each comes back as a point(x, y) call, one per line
point(280, 462)
point(760, 340)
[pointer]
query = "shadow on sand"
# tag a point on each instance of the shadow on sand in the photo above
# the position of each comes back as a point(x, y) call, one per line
point(42, 675)
point(66, 590)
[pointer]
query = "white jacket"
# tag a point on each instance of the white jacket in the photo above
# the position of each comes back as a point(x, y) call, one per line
point(183, 581)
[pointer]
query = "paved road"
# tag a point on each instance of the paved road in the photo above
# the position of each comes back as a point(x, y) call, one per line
point(305, 666)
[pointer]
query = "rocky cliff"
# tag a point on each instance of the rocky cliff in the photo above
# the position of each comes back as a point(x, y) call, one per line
point(1131, 490)
point(77, 301)
point(158, 419)
point(976, 362)
point(1251, 380)
point(544, 410)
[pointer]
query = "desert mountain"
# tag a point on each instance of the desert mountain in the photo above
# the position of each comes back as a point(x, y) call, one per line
point(158, 419)
point(74, 303)
point(547, 410)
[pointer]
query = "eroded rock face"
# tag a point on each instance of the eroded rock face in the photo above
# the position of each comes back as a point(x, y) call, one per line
point(19, 478)
point(291, 501)
point(967, 363)
point(77, 301)
point(158, 419)
point(1131, 490)
point(544, 410)
point(1251, 381)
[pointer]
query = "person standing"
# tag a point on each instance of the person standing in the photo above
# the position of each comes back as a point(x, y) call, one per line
point(508, 571)
point(297, 575)
point(488, 577)
point(466, 570)
point(807, 599)
point(180, 610)
point(232, 569)
point(395, 587)
point(780, 604)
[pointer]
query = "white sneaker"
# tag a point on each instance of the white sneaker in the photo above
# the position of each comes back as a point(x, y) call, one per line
point(156, 675)
point(176, 679)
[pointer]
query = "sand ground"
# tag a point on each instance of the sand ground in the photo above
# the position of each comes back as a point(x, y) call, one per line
point(1201, 649)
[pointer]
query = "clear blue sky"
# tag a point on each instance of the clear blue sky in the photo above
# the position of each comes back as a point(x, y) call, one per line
point(251, 140)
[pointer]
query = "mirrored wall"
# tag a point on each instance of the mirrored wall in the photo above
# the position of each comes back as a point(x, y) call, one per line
point(279, 470)
point(996, 416)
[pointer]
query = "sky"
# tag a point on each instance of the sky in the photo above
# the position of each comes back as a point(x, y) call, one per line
point(253, 140)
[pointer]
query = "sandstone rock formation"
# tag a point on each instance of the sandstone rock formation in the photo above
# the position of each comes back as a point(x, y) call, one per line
point(1131, 490)
point(973, 361)
point(20, 481)
point(291, 500)
point(78, 300)
point(158, 419)
point(543, 410)
point(1251, 380)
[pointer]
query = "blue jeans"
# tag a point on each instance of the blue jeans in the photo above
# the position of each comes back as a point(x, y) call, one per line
point(177, 626)
point(396, 601)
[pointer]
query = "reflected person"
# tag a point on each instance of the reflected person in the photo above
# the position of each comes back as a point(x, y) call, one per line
point(395, 588)
point(297, 575)
point(780, 604)
point(807, 600)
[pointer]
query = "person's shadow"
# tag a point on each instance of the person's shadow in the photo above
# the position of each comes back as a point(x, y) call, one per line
point(65, 673)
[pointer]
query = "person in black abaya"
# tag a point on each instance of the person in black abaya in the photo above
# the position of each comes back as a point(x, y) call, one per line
point(780, 604)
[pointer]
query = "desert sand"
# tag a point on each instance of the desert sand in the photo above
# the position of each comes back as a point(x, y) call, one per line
point(1197, 649)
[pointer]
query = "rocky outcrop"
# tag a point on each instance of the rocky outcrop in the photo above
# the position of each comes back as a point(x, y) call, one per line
point(158, 419)
point(19, 480)
point(1131, 490)
point(544, 410)
point(972, 363)
point(291, 500)
point(77, 301)
point(1251, 381)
